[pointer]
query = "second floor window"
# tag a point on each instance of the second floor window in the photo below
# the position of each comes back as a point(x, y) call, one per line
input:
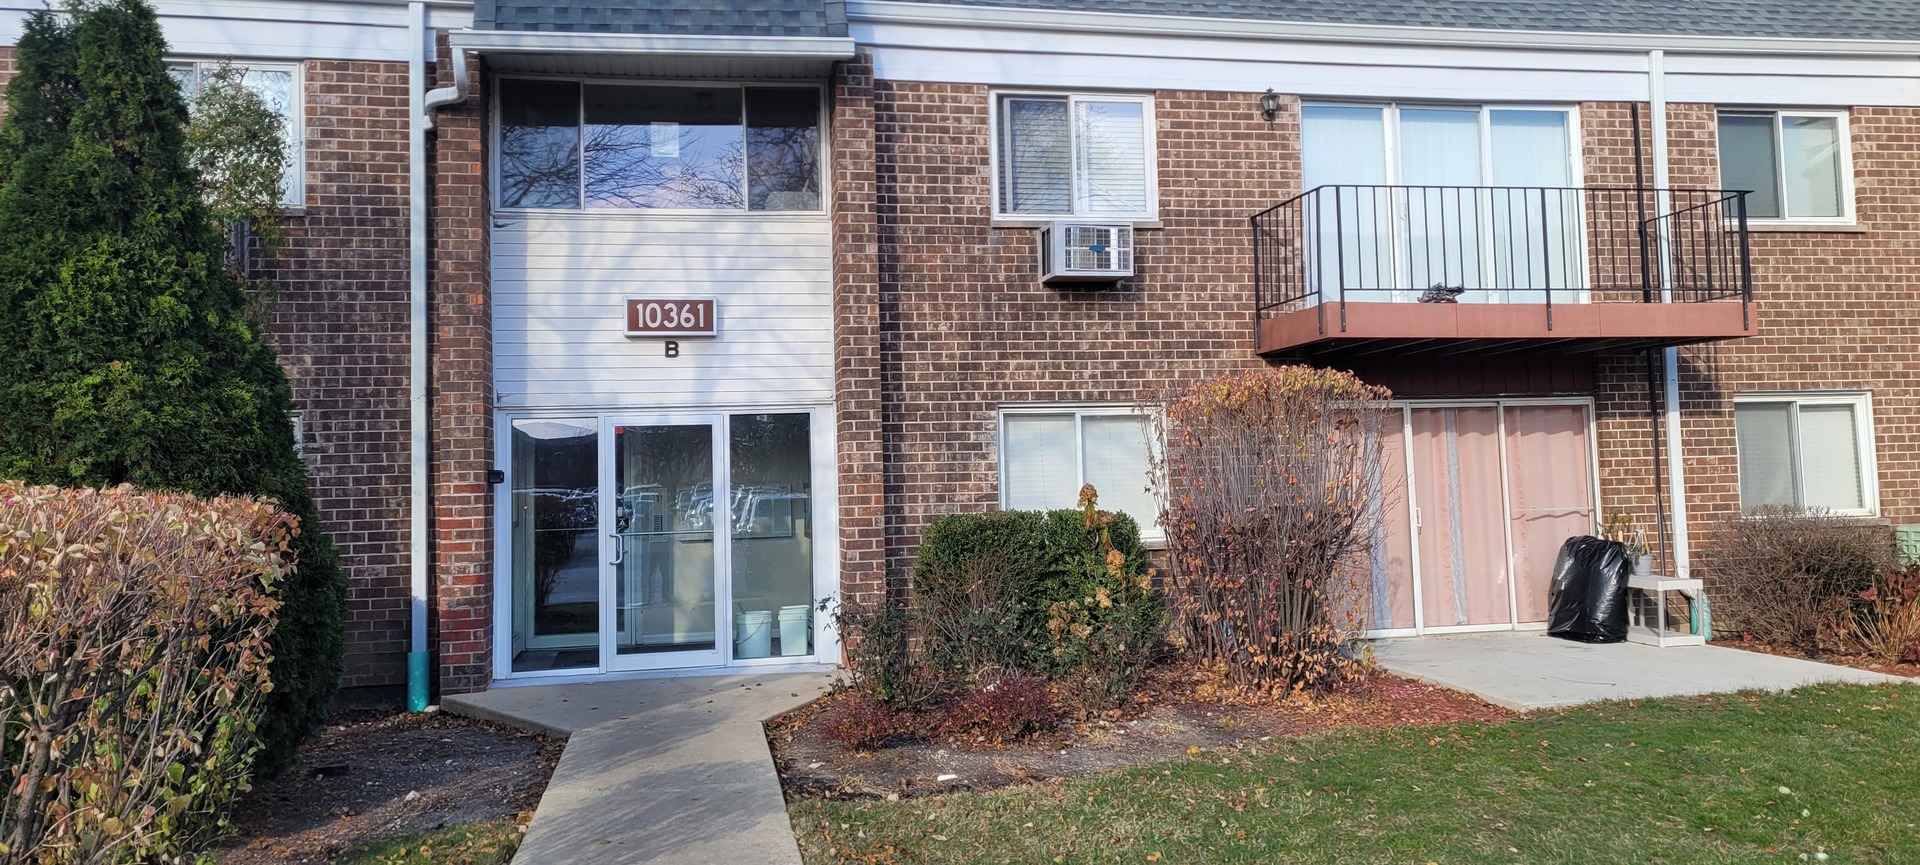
point(572, 145)
point(1085, 156)
point(1793, 163)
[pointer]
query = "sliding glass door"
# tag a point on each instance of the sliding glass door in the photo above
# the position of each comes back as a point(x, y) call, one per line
point(1472, 201)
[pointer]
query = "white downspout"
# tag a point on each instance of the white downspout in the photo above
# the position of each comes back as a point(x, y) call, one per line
point(420, 106)
point(1676, 464)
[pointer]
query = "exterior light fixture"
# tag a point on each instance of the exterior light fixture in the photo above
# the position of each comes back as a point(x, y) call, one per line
point(1269, 105)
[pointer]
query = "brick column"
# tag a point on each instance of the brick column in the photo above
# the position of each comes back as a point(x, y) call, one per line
point(856, 333)
point(461, 343)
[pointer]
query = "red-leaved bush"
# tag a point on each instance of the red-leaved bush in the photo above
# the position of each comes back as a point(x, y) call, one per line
point(860, 721)
point(1005, 709)
point(1272, 487)
point(133, 661)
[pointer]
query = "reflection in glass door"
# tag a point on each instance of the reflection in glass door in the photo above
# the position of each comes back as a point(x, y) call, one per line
point(555, 537)
point(668, 545)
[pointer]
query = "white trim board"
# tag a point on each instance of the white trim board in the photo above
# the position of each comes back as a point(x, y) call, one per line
point(279, 29)
point(998, 51)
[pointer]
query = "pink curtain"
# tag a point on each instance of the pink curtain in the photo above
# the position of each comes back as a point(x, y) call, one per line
point(1462, 532)
point(1550, 480)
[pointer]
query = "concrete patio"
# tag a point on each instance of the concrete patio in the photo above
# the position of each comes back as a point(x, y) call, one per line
point(1530, 670)
point(656, 770)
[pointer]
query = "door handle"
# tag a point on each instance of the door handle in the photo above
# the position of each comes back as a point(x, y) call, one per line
point(619, 549)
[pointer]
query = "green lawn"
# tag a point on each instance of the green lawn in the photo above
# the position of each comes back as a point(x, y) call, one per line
point(489, 842)
point(1745, 778)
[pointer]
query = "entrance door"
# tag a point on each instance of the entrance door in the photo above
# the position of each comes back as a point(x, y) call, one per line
point(661, 598)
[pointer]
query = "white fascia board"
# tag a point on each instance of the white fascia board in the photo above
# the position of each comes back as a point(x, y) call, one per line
point(895, 12)
point(547, 42)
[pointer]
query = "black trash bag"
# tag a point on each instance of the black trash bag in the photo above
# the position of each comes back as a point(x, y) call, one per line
point(1588, 598)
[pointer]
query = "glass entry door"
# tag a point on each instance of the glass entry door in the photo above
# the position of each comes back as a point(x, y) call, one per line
point(662, 601)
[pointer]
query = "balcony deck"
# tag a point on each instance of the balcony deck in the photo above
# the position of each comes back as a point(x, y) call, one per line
point(1340, 271)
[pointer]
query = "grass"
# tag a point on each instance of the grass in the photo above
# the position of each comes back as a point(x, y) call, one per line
point(487, 842)
point(1829, 770)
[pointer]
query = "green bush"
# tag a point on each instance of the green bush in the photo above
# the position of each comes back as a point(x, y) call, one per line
point(977, 592)
point(133, 667)
point(130, 353)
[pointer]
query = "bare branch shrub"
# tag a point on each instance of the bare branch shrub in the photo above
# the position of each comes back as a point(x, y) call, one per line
point(1270, 484)
point(1884, 623)
point(1783, 576)
point(133, 662)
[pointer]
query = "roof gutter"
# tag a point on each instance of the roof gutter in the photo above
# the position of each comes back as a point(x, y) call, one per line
point(546, 42)
point(1114, 23)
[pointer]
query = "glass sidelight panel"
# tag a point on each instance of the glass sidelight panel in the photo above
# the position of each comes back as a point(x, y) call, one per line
point(664, 521)
point(771, 471)
point(556, 544)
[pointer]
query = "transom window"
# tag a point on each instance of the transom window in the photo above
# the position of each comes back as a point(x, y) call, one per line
point(1069, 155)
point(1809, 451)
point(570, 145)
point(1046, 454)
point(279, 85)
point(1793, 162)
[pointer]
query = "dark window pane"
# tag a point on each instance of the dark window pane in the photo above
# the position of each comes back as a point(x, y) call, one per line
point(539, 144)
point(1036, 161)
point(677, 147)
point(1749, 160)
point(783, 148)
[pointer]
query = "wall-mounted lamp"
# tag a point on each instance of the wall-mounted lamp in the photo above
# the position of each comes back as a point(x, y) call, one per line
point(1269, 105)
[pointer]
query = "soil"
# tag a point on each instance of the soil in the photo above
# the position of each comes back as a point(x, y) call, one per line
point(371, 775)
point(1176, 713)
point(1911, 671)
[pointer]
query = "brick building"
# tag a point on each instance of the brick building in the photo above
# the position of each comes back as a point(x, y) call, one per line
point(786, 255)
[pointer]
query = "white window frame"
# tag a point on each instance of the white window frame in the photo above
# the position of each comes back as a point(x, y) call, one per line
point(1151, 533)
point(1862, 403)
point(1842, 129)
point(1150, 158)
point(294, 199)
point(825, 166)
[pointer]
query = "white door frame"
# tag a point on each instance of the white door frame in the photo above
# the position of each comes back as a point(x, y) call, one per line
point(612, 561)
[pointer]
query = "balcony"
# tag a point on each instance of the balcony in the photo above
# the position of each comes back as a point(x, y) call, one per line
point(1346, 271)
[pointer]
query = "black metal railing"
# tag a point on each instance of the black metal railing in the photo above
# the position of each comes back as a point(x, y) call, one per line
point(1542, 245)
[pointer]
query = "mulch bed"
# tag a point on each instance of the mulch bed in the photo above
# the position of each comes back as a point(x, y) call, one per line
point(372, 775)
point(1911, 671)
point(1177, 711)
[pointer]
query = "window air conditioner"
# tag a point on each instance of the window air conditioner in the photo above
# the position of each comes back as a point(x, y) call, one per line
point(1084, 252)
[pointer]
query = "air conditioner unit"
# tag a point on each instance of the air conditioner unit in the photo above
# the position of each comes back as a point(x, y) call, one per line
point(1085, 252)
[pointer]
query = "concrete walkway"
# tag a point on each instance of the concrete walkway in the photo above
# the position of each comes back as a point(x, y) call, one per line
point(671, 770)
point(1527, 671)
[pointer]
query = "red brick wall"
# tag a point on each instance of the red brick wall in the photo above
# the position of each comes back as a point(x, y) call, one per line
point(462, 358)
point(856, 333)
point(340, 324)
point(966, 327)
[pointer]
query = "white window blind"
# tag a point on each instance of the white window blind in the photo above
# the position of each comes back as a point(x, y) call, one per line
point(1114, 458)
point(1111, 156)
point(1047, 456)
point(1041, 462)
point(1074, 156)
point(1809, 453)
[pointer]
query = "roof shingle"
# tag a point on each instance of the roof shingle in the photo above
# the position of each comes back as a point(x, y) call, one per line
point(667, 17)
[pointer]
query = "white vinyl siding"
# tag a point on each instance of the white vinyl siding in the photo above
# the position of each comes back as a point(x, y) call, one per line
point(1047, 454)
point(1794, 163)
point(560, 282)
point(1806, 451)
point(1078, 156)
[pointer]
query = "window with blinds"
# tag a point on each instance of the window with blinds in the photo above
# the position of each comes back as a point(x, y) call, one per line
point(1810, 452)
point(1045, 457)
point(1074, 156)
